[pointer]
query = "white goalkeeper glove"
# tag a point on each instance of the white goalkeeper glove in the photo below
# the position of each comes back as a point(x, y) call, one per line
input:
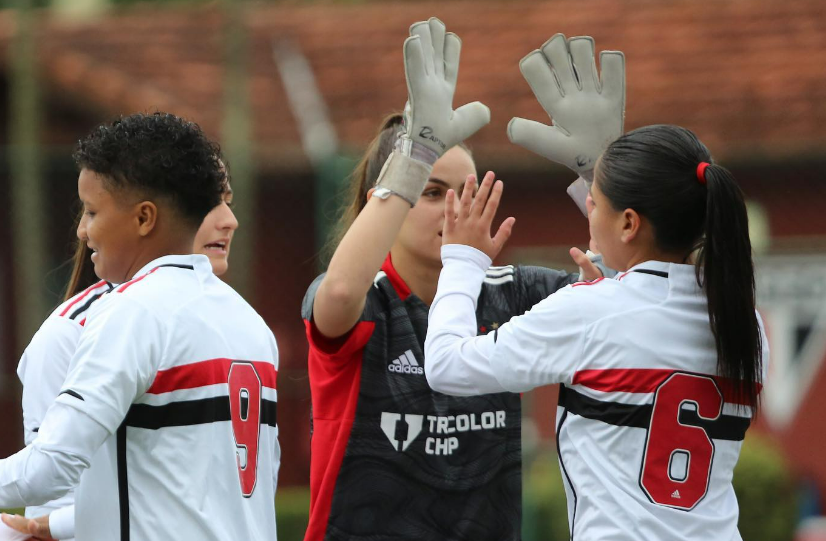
point(587, 112)
point(431, 126)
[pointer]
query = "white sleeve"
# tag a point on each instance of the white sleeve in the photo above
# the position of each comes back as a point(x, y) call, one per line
point(116, 360)
point(52, 464)
point(545, 345)
point(43, 368)
point(456, 361)
point(62, 522)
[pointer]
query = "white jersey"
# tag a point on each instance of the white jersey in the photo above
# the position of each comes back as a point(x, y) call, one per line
point(181, 372)
point(44, 365)
point(648, 434)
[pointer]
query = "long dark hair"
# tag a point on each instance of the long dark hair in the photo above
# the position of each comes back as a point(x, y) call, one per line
point(654, 170)
point(364, 177)
point(83, 275)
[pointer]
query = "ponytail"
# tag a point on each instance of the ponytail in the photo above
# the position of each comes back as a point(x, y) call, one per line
point(694, 206)
point(82, 273)
point(726, 272)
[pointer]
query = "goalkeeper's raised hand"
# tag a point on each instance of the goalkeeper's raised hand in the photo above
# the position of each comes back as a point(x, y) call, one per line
point(587, 110)
point(431, 125)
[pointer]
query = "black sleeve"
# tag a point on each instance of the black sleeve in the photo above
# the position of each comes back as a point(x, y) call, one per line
point(537, 283)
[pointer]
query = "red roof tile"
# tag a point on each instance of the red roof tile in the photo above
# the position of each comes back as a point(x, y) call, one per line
point(747, 76)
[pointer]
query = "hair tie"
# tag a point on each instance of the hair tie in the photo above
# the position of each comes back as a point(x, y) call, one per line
point(701, 172)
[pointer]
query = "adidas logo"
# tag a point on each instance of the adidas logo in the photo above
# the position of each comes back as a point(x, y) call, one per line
point(406, 364)
point(676, 494)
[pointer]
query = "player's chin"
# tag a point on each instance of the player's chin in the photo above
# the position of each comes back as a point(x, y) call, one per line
point(219, 264)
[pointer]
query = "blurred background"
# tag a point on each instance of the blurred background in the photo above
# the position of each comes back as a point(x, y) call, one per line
point(294, 91)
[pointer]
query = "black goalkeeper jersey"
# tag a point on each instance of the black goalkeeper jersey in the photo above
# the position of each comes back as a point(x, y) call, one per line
point(393, 459)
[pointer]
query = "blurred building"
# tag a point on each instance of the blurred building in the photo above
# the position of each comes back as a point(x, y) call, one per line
point(746, 76)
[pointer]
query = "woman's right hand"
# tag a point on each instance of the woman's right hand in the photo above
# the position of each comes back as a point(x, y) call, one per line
point(472, 225)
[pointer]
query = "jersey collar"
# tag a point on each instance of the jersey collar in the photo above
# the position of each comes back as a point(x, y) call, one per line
point(196, 261)
point(402, 290)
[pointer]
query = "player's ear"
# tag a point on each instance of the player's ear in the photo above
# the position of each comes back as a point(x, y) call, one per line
point(631, 222)
point(370, 193)
point(146, 214)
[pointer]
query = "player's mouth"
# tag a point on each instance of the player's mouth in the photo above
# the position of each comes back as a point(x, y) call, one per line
point(218, 247)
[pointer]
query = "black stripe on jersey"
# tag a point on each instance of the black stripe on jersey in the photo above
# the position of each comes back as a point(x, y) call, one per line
point(564, 416)
point(191, 412)
point(72, 393)
point(88, 303)
point(661, 274)
point(123, 483)
point(176, 265)
point(725, 427)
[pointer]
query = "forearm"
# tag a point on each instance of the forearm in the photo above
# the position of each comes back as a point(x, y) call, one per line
point(458, 362)
point(53, 463)
point(341, 294)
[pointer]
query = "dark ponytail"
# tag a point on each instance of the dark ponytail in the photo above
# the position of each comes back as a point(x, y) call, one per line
point(728, 279)
point(654, 170)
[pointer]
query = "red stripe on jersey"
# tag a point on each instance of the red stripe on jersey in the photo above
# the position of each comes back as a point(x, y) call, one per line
point(123, 287)
point(592, 282)
point(335, 379)
point(402, 290)
point(211, 372)
point(83, 322)
point(81, 297)
point(644, 380)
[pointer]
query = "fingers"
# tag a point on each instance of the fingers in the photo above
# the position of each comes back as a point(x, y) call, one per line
point(582, 53)
point(548, 141)
point(481, 200)
point(437, 35)
point(470, 118)
point(450, 214)
point(589, 270)
point(540, 78)
point(422, 30)
point(556, 51)
point(502, 235)
point(16, 522)
point(612, 66)
point(492, 204)
point(453, 48)
point(414, 65)
point(466, 200)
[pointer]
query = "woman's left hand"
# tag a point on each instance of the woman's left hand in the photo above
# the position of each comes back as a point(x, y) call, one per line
point(472, 225)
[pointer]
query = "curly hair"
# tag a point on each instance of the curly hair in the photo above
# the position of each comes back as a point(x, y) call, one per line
point(157, 155)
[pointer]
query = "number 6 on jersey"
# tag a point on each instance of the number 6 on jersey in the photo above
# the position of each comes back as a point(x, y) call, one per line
point(245, 412)
point(677, 460)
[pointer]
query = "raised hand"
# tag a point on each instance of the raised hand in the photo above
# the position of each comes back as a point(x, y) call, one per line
point(587, 112)
point(431, 126)
point(472, 224)
point(431, 66)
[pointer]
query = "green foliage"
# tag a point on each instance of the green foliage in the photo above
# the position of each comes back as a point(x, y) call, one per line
point(544, 508)
point(766, 492)
point(765, 489)
point(292, 511)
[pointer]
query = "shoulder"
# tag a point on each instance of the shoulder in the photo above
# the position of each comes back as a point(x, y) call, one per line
point(76, 308)
point(309, 297)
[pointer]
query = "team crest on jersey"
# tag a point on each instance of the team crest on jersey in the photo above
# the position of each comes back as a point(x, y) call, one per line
point(406, 363)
